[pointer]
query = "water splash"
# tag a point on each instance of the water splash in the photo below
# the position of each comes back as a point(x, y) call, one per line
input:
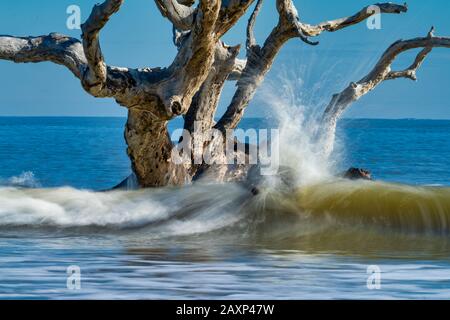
point(24, 180)
point(298, 119)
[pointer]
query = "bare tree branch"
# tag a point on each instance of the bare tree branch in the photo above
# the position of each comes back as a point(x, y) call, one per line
point(290, 22)
point(96, 72)
point(338, 24)
point(231, 11)
point(126, 85)
point(54, 48)
point(381, 72)
point(251, 40)
point(182, 16)
point(410, 72)
point(205, 102)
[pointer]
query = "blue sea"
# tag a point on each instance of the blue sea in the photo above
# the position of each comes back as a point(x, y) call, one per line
point(331, 239)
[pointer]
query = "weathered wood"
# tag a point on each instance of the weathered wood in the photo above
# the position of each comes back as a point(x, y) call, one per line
point(96, 72)
point(181, 15)
point(363, 14)
point(56, 48)
point(149, 149)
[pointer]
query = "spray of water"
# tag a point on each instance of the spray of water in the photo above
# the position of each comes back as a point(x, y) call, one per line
point(25, 180)
point(298, 118)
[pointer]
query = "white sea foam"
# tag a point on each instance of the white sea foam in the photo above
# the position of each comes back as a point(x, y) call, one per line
point(70, 207)
point(193, 209)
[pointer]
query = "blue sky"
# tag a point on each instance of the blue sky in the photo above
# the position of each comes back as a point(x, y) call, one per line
point(138, 36)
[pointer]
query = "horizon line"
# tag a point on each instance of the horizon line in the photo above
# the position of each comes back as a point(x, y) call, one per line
point(266, 118)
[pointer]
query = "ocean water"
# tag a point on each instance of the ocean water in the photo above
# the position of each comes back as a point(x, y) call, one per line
point(319, 241)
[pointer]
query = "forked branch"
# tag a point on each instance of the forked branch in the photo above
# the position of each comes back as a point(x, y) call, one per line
point(251, 40)
point(381, 72)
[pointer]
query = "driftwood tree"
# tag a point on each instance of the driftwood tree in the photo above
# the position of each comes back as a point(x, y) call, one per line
point(191, 86)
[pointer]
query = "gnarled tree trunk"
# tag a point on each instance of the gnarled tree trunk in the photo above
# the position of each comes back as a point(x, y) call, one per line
point(150, 149)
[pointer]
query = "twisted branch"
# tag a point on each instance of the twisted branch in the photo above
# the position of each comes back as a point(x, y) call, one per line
point(381, 72)
point(56, 48)
point(96, 72)
point(363, 14)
